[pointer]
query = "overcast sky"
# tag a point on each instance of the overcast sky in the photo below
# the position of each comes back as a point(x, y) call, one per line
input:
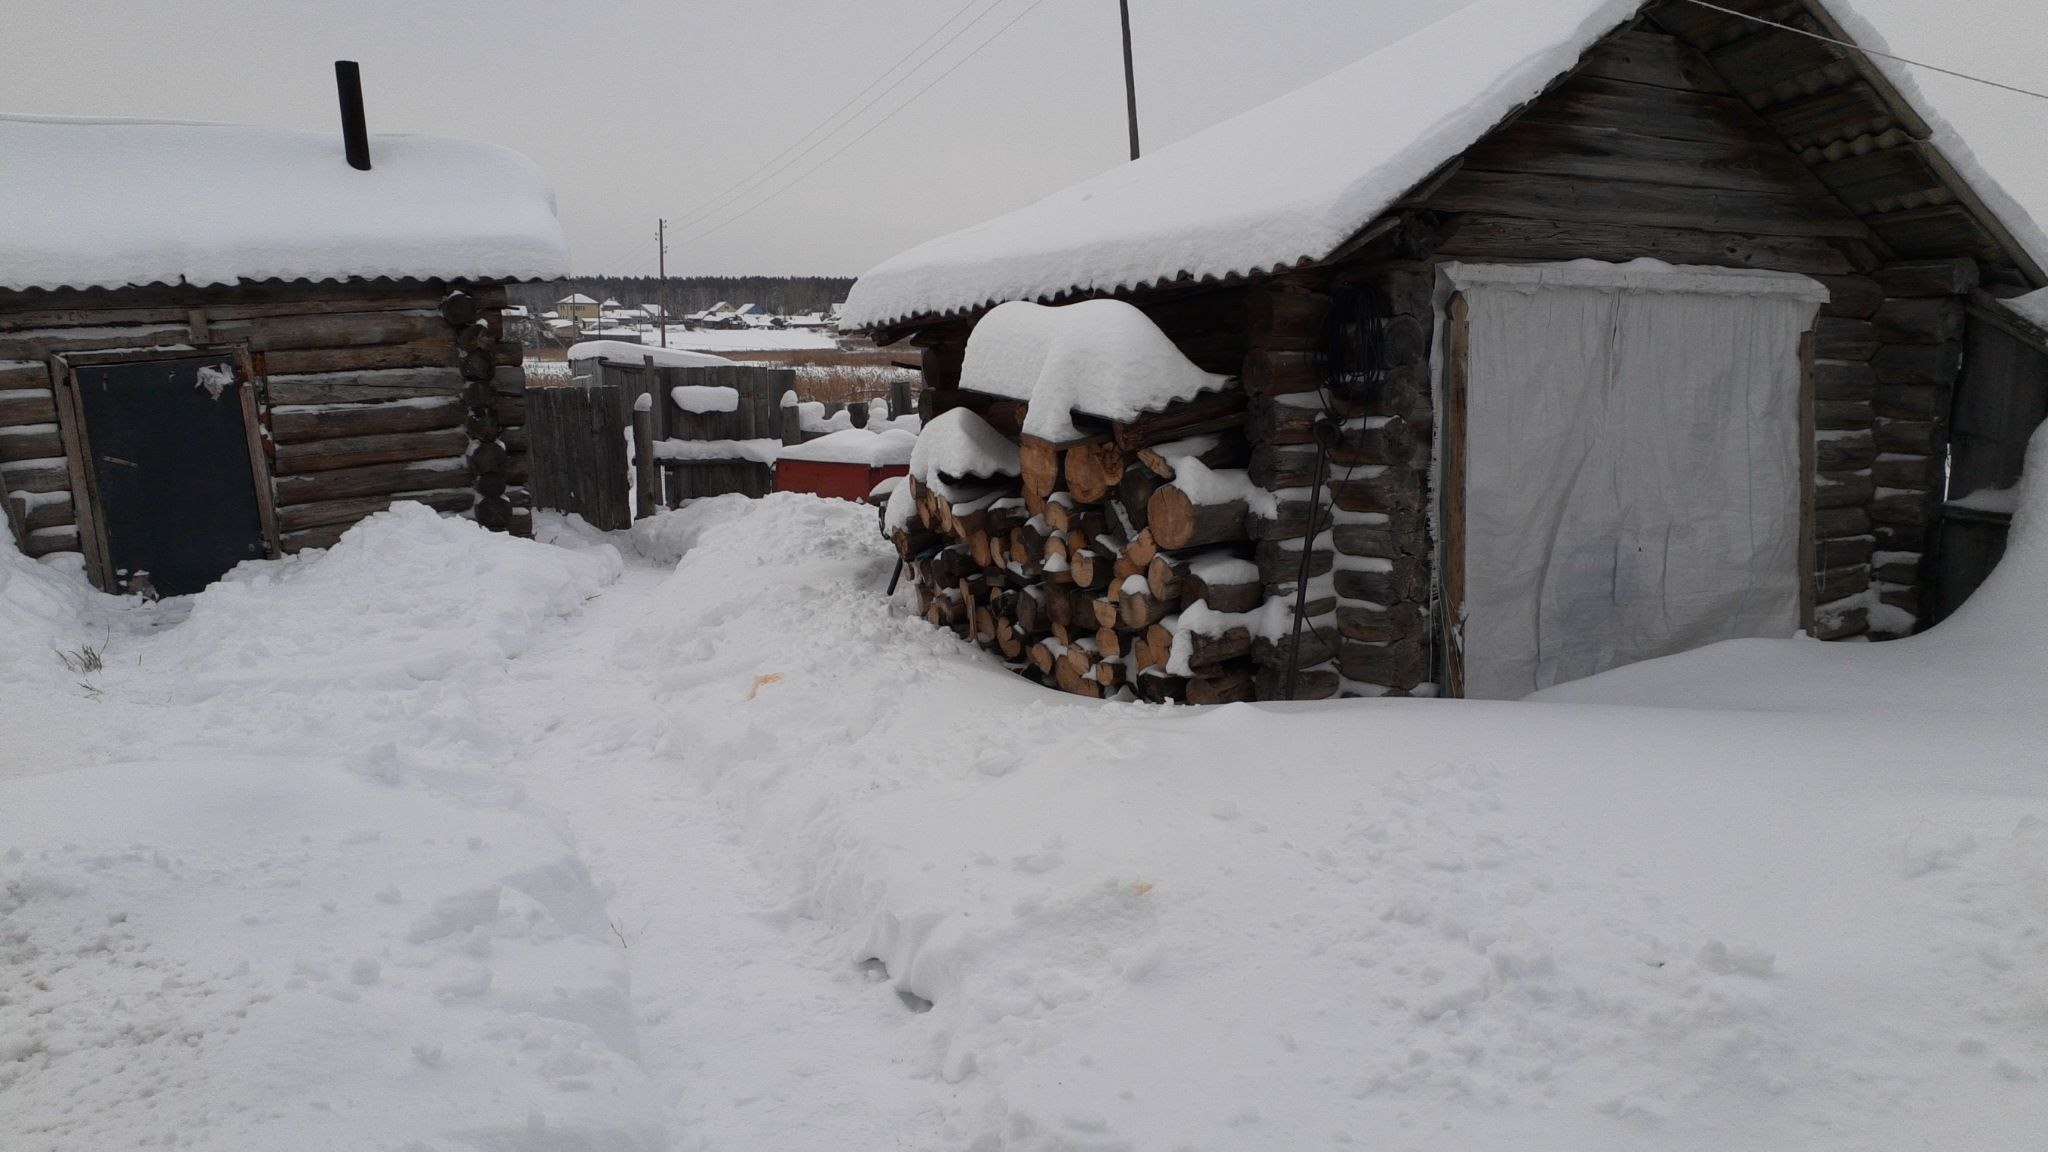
point(654, 109)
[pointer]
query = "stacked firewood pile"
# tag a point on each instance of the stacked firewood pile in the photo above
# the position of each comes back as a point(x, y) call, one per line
point(1141, 558)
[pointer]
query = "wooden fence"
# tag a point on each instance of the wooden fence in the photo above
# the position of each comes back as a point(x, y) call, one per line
point(581, 458)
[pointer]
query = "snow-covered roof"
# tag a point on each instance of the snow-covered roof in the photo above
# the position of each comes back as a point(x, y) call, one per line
point(622, 352)
point(577, 298)
point(1291, 180)
point(97, 203)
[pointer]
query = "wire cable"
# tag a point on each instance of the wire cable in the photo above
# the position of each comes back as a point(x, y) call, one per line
point(1825, 39)
point(886, 117)
point(761, 173)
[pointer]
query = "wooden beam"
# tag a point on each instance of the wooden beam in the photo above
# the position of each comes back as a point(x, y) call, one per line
point(1516, 238)
point(1624, 202)
point(1457, 368)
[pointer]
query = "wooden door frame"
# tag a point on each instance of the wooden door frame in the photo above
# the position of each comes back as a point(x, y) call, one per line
point(1456, 385)
point(77, 441)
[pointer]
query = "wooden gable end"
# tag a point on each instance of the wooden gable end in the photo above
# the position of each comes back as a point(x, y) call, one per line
point(1699, 137)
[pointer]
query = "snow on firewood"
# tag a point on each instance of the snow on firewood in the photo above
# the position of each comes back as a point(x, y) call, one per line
point(1100, 357)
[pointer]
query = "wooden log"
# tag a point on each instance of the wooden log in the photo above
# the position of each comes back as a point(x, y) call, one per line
point(1210, 412)
point(291, 425)
point(1094, 470)
point(1070, 680)
point(45, 514)
point(1841, 338)
point(1207, 651)
point(1949, 277)
point(1843, 489)
point(360, 451)
point(1403, 664)
point(1133, 495)
point(1477, 236)
point(1835, 554)
point(1921, 437)
point(1930, 320)
point(1316, 644)
point(1931, 364)
point(1044, 655)
point(372, 480)
point(1214, 450)
point(271, 334)
point(1237, 595)
point(438, 351)
point(1293, 519)
point(1379, 624)
point(1829, 523)
point(1844, 453)
point(1857, 297)
point(1309, 684)
point(1177, 521)
point(1231, 686)
point(1090, 565)
point(1138, 610)
point(30, 442)
point(1271, 372)
point(1279, 314)
point(27, 405)
point(1377, 489)
point(1834, 380)
point(1911, 402)
point(1397, 580)
point(1279, 561)
point(292, 518)
point(1164, 576)
point(494, 513)
point(1039, 463)
point(1570, 199)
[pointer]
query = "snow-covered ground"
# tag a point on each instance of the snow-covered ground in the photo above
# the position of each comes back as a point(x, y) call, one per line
point(685, 838)
point(747, 339)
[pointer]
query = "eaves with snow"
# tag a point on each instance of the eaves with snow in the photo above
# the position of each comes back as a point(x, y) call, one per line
point(1289, 182)
point(99, 203)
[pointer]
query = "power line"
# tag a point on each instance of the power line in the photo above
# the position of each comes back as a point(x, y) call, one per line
point(1869, 51)
point(886, 117)
point(764, 173)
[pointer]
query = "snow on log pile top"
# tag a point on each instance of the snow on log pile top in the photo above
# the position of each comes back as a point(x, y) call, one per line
point(1291, 180)
point(633, 355)
point(960, 444)
point(1101, 357)
point(92, 203)
point(889, 447)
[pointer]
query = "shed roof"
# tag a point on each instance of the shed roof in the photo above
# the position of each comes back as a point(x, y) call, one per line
point(1289, 182)
point(98, 203)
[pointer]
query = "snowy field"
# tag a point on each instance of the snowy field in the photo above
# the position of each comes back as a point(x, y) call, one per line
point(684, 838)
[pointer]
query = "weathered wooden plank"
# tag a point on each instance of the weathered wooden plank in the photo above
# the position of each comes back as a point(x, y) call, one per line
point(1949, 277)
point(327, 422)
point(1929, 320)
point(1879, 178)
point(298, 295)
point(27, 406)
point(49, 475)
point(359, 451)
point(1931, 364)
point(1843, 380)
point(1944, 230)
point(372, 480)
point(1707, 28)
point(1516, 238)
point(18, 374)
point(155, 309)
point(298, 517)
point(438, 352)
point(1857, 297)
point(1649, 111)
point(1758, 63)
point(1841, 338)
point(349, 387)
point(49, 513)
point(30, 442)
point(265, 334)
point(1843, 113)
point(52, 540)
point(1645, 57)
point(1626, 202)
point(1586, 152)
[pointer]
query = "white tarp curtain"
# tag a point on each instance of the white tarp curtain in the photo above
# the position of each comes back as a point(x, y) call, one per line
point(1633, 464)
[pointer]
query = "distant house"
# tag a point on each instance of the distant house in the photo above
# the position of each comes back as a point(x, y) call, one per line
point(577, 306)
point(1552, 337)
point(221, 342)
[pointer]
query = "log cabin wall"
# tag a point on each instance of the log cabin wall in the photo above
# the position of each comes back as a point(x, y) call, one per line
point(1702, 138)
point(368, 393)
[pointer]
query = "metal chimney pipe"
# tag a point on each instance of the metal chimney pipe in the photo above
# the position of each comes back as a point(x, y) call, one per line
point(355, 134)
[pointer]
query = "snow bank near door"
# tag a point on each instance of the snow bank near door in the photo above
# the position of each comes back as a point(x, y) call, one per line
point(1990, 656)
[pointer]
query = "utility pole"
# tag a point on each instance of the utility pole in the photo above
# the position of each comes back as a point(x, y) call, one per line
point(661, 266)
point(1130, 77)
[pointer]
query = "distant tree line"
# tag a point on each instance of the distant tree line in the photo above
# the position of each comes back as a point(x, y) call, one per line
point(787, 295)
